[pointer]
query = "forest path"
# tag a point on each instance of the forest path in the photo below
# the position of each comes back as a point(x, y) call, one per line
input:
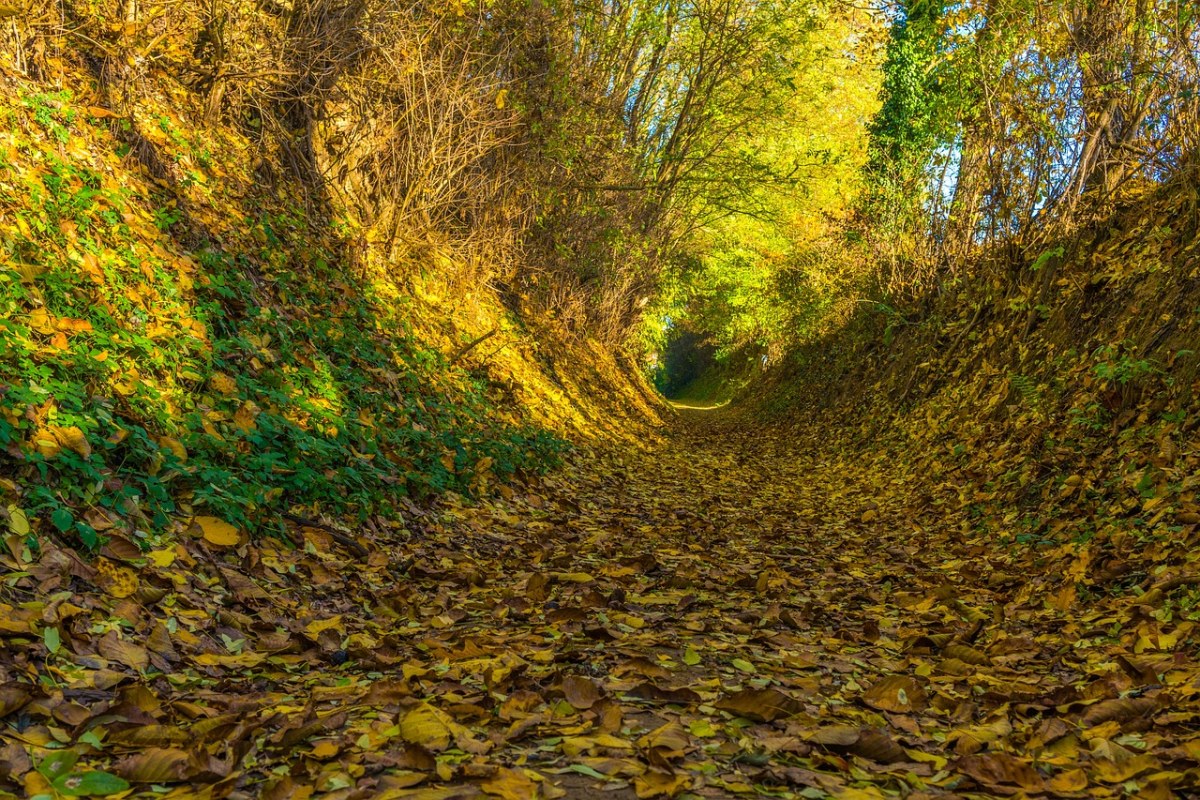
point(723, 612)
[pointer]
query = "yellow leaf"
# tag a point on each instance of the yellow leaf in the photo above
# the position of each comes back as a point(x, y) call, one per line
point(117, 581)
point(68, 325)
point(502, 98)
point(223, 384)
point(240, 660)
point(656, 784)
point(175, 446)
point(669, 736)
point(428, 727)
point(72, 438)
point(921, 757)
point(46, 445)
point(896, 693)
point(1074, 780)
point(574, 577)
point(18, 523)
point(245, 417)
point(218, 531)
point(161, 558)
point(315, 628)
point(510, 785)
point(1111, 771)
point(40, 321)
point(326, 748)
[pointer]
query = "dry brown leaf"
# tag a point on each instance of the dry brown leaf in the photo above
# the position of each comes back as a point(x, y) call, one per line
point(762, 705)
point(581, 692)
point(878, 745)
point(896, 693)
point(671, 737)
point(966, 654)
point(996, 770)
point(511, 784)
point(156, 765)
point(656, 783)
point(835, 735)
point(114, 648)
point(1118, 710)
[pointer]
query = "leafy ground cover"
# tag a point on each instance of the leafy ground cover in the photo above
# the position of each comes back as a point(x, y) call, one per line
point(176, 344)
point(727, 611)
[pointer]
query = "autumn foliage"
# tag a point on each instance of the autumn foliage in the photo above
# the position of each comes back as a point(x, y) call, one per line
point(331, 466)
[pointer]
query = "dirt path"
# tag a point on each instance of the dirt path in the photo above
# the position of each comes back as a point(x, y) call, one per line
point(723, 613)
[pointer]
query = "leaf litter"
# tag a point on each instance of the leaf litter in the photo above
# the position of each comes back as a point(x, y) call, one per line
point(709, 615)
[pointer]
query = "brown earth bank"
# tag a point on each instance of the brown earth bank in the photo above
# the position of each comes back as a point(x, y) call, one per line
point(729, 611)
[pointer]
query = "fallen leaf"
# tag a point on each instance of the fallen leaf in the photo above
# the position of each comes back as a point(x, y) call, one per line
point(994, 770)
point(762, 705)
point(580, 692)
point(896, 693)
point(426, 726)
point(156, 765)
point(510, 784)
point(655, 783)
point(742, 665)
point(72, 438)
point(217, 531)
point(114, 579)
point(89, 784)
point(671, 737)
point(114, 648)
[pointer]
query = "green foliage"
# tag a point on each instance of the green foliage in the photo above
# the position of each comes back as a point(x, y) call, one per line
point(1028, 390)
point(770, 266)
point(1115, 365)
point(1045, 258)
point(906, 129)
point(141, 378)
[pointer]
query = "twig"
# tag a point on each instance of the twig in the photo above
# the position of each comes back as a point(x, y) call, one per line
point(343, 539)
point(469, 346)
point(1174, 583)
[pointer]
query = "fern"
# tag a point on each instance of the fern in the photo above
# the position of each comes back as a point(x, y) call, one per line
point(1029, 392)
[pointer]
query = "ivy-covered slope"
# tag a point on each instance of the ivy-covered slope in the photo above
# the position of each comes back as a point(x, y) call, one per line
point(182, 333)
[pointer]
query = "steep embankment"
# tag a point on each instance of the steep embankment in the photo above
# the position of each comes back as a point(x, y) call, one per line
point(1045, 410)
point(185, 332)
point(1049, 402)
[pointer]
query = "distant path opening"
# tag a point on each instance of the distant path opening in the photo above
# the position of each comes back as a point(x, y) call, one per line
point(689, 406)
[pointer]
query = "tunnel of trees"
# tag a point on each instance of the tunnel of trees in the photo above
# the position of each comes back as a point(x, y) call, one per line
point(534, 399)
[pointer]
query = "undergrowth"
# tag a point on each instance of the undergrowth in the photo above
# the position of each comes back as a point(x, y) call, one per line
point(1074, 427)
point(152, 368)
